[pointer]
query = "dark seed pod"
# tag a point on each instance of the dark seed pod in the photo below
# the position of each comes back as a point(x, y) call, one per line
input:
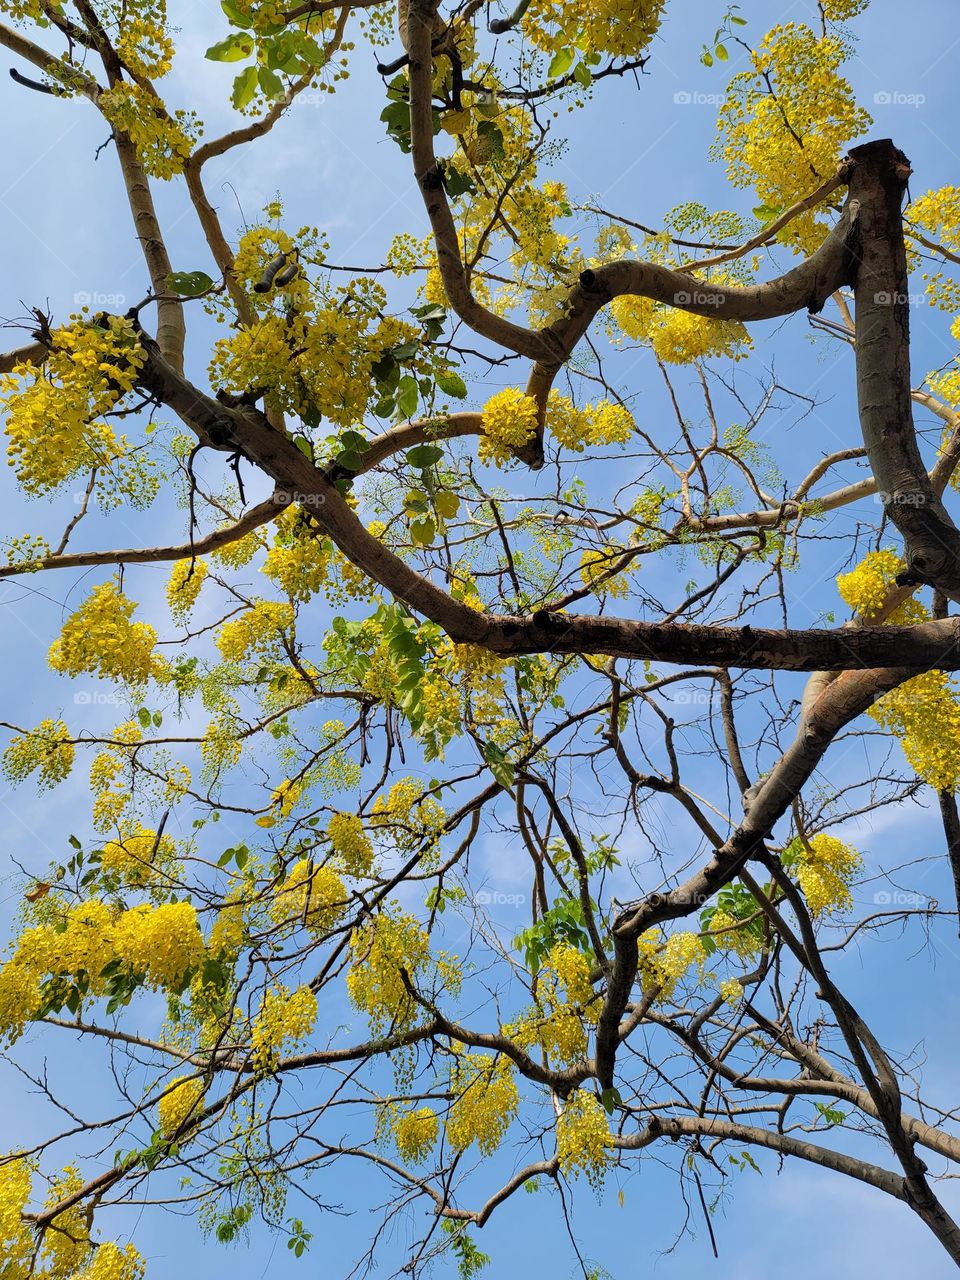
point(265, 283)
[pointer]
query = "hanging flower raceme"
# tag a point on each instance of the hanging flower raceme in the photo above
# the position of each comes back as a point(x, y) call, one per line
point(825, 868)
point(101, 639)
point(182, 1101)
point(583, 1138)
point(509, 421)
point(54, 410)
point(485, 1103)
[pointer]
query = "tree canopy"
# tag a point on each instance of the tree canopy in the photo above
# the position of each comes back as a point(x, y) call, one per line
point(439, 579)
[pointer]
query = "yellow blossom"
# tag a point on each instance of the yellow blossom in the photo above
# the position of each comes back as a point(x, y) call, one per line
point(509, 421)
point(182, 1100)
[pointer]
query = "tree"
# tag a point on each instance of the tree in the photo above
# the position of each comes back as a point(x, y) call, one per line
point(397, 628)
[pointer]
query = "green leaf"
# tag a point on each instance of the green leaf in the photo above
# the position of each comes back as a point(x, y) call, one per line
point(310, 51)
point(491, 136)
point(233, 49)
point(408, 396)
point(423, 533)
point(236, 14)
point(145, 718)
point(283, 53)
point(447, 504)
point(721, 51)
point(611, 1099)
point(270, 83)
point(501, 768)
point(452, 384)
point(350, 460)
point(424, 455)
point(189, 284)
point(416, 503)
point(456, 183)
point(561, 63)
point(244, 88)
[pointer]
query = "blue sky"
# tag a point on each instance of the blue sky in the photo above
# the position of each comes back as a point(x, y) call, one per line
point(638, 151)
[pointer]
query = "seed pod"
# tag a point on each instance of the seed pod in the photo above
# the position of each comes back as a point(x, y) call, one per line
point(289, 272)
point(265, 283)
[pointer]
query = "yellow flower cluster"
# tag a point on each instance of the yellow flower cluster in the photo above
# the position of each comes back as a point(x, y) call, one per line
point(66, 1245)
point(350, 843)
point(731, 990)
point(221, 747)
point(142, 42)
point(163, 141)
point(938, 214)
point(787, 121)
point(868, 587)
point(46, 750)
point(842, 10)
point(16, 1236)
point(595, 572)
point(299, 562)
point(229, 932)
point(184, 587)
point(825, 867)
point(381, 947)
point(583, 1138)
point(283, 799)
point(137, 855)
point(52, 409)
point(182, 1101)
point(486, 1101)
point(664, 964)
point(164, 943)
point(924, 713)
point(312, 896)
point(593, 425)
point(621, 28)
point(260, 631)
point(284, 1020)
point(237, 554)
point(509, 421)
point(414, 1132)
point(728, 935)
point(567, 1005)
point(110, 1262)
point(110, 794)
point(100, 639)
point(66, 1242)
point(317, 355)
point(411, 817)
point(676, 336)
